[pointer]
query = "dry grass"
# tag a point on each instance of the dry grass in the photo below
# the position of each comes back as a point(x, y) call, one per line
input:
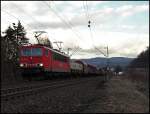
point(126, 98)
point(122, 96)
point(140, 78)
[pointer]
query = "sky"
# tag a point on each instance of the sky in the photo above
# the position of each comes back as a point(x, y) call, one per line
point(123, 26)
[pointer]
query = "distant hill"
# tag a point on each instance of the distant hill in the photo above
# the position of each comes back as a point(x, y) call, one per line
point(102, 62)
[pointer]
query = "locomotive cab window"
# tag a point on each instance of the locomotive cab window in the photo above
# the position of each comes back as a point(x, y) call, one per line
point(31, 52)
point(26, 52)
point(36, 52)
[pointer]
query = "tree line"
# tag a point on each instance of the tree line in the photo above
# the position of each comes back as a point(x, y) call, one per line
point(13, 37)
point(142, 60)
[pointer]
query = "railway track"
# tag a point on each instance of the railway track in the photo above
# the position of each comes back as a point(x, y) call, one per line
point(15, 89)
point(21, 92)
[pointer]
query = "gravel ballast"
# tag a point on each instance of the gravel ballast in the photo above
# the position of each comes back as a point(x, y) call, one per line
point(91, 96)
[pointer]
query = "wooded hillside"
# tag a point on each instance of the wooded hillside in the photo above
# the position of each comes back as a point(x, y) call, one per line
point(142, 60)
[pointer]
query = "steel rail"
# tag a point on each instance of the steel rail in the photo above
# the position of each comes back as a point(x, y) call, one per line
point(32, 90)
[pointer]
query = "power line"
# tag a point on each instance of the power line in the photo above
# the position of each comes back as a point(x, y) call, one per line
point(28, 15)
point(76, 50)
point(32, 18)
point(68, 24)
point(77, 33)
point(100, 51)
point(28, 26)
point(89, 22)
point(67, 21)
point(17, 18)
point(87, 10)
point(3, 6)
point(85, 6)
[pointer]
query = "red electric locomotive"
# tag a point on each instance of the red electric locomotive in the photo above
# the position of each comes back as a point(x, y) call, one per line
point(38, 58)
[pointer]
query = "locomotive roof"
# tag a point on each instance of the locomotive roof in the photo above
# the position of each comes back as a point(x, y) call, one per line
point(42, 46)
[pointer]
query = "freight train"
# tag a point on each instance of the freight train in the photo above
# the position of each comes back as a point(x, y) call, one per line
point(38, 58)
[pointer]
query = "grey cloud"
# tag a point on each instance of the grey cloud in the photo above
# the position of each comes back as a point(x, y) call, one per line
point(113, 51)
point(100, 16)
point(40, 8)
point(15, 8)
point(48, 25)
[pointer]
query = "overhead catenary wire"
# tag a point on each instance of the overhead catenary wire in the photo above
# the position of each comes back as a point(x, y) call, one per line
point(63, 20)
point(88, 17)
point(31, 17)
point(24, 12)
point(67, 20)
point(86, 9)
point(76, 49)
point(27, 15)
point(69, 24)
point(16, 18)
point(38, 23)
point(98, 50)
point(85, 6)
point(10, 14)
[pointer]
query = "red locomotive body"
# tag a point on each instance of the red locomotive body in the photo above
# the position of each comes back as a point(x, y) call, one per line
point(41, 58)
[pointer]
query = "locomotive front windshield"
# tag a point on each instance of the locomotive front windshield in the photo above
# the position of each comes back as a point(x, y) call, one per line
point(31, 52)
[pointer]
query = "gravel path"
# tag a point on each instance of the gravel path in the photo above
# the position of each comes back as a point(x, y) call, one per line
point(122, 97)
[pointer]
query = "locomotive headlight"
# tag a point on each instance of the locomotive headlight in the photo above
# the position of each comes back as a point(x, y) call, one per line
point(41, 64)
point(21, 65)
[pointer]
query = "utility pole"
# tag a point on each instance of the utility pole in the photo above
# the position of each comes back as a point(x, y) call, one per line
point(107, 63)
point(107, 56)
point(68, 50)
point(59, 46)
